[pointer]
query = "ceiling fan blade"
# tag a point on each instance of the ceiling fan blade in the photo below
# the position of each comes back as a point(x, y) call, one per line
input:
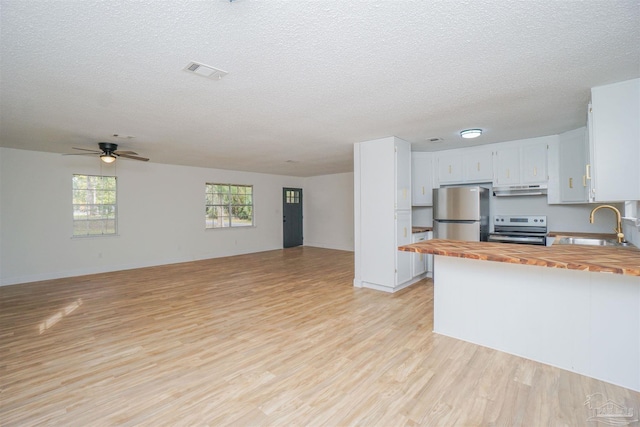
point(81, 154)
point(131, 153)
point(86, 149)
point(127, 156)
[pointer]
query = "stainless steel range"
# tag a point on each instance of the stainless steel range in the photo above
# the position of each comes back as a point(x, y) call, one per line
point(528, 229)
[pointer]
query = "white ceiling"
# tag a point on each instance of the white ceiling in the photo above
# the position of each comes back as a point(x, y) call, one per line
point(307, 79)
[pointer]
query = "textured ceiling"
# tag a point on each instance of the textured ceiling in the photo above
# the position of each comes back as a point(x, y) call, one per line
point(307, 79)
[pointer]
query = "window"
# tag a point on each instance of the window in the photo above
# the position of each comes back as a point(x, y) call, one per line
point(292, 196)
point(94, 205)
point(228, 205)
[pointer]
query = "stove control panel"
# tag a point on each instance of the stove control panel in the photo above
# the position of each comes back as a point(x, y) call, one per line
point(520, 220)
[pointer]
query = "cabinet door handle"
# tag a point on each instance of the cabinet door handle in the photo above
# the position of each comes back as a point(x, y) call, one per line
point(588, 171)
point(478, 166)
point(423, 190)
point(405, 232)
point(449, 168)
point(570, 182)
point(584, 180)
point(535, 171)
point(507, 173)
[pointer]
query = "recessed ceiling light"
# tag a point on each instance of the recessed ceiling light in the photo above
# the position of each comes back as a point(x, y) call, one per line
point(205, 70)
point(435, 139)
point(471, 133)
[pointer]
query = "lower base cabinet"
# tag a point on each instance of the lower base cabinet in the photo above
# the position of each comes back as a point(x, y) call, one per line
point(419, 260)
point(422, 263)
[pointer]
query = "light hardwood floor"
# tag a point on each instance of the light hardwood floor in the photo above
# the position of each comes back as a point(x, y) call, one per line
point(274, 338)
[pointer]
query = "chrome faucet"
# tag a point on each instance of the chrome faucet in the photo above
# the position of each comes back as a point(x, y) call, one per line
point(618, 228)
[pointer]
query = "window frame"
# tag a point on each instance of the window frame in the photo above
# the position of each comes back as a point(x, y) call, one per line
point(106, 212)
point(215, 202)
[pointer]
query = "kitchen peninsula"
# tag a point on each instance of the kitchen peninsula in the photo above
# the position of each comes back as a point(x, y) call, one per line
point(574, 307)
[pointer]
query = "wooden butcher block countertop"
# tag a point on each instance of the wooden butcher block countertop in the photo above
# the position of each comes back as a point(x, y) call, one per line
point(418, 229)
point(604, 259)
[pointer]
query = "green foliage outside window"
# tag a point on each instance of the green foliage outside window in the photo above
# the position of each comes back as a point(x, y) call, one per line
point(94, 205)
point(228, 205)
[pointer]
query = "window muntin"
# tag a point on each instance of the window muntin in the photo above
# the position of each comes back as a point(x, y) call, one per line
point(292, 196)
point(94, 205)
point(228, 205)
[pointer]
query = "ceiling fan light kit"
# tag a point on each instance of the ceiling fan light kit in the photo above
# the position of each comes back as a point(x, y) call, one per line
point(109, 153)
point(108, 158)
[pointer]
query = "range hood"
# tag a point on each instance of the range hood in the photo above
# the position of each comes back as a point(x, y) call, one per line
point(520, 190)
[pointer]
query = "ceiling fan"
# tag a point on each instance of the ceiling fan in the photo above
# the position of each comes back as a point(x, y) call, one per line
point(109, 152)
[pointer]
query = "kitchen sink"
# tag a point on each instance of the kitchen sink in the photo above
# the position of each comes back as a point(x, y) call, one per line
point(589, 241)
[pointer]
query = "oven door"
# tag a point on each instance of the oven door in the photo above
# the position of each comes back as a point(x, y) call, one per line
point(518, 238)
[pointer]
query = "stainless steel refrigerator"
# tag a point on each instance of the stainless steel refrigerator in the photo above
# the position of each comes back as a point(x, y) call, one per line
point(461, 213)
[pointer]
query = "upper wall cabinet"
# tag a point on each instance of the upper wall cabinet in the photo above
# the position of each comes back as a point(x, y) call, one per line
point(450, 167)
point(614, 140)
point(524, 163)
point(403, 174)
point(466, 165)
point(508, 166)
point(478, 165)
point(421, 179)
point(534, 163)
point(573, 147)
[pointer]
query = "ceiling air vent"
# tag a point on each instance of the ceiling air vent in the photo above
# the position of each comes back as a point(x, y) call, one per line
point(205, 71)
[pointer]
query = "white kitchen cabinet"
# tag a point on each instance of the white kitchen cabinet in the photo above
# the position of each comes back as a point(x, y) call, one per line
point(419, 260)
point(422, 264)
point(573, 149)
point(477, 165)
point(403, 237)
point(507, 166)
point(534, 163)
point(450, 167)
point(421, 179)
point(382, 173)
point(402, 156)
point(614, 140)
point(466, 165)
point(522, 163)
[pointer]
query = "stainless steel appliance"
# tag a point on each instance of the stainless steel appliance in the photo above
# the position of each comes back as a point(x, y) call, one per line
point(529, 229)
point(461, 213)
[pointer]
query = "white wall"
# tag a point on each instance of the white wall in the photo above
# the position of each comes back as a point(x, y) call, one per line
point(160, 216)
point(422, 216)
point(328, 211)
